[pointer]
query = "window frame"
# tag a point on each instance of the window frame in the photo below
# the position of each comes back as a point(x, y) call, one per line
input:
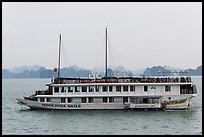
point(64, 100)
point(105, 88)
point(90, 99)
point(118, 87)
point(126, 88)
point(83, 100)
point(110, 88)
point(111, 99)
point(97, 88)
point(104, 99)
point(145, 88)
point(56, 89)
point(48, 99)
point(167, 88)
point(63, 90)
point(42, 99)
point(82, 90)
point(69, 100)
point(132, 88)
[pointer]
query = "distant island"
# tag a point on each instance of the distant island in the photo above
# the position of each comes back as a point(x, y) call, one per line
point(163, 71)
point(37, 71)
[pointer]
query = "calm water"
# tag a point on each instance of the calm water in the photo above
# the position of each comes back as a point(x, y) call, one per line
point(103, 122)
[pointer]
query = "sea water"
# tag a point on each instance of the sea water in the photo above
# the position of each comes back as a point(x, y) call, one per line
point(93, 122)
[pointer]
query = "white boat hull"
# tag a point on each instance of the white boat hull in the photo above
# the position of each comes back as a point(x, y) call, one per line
point(101, 106)
point(39, 105)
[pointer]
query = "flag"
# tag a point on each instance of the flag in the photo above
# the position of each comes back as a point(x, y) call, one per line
point(55, 70)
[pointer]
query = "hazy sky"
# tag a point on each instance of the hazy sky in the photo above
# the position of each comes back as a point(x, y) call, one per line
point(140, 34)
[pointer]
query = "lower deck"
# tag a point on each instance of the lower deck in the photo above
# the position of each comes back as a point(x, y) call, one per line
point(94, 103)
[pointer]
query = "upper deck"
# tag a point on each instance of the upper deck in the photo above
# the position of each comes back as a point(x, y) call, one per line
point(123, 80)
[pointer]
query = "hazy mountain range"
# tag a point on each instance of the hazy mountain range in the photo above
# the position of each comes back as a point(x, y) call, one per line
point(37, 71)
point(163, 71)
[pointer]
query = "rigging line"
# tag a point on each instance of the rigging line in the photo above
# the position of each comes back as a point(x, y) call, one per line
point(110, 46)
point(114, 54)
point(116, 57)
point(65, 57)
point(63, 50)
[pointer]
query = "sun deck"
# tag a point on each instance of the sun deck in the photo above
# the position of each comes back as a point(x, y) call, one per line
point(122, 80)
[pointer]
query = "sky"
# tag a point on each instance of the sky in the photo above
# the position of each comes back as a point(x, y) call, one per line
point(140, 34)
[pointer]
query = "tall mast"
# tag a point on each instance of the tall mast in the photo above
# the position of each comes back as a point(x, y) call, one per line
point(106, 72)
point(59, 57)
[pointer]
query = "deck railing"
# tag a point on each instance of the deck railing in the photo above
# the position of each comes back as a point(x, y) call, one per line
point(123, 80)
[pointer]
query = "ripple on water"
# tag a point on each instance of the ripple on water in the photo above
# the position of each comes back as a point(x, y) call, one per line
point(164, 126)
point(145, 126)
point(124, 129)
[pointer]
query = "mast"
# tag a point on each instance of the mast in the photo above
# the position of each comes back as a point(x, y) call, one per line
point(106, 58)
point(59, 57)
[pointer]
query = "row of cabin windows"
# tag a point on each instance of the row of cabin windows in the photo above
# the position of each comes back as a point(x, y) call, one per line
point(84, 100)
point(111, 100)
point(70, 89)
point(105, 100)
point(91, 89)
point(144, 100)
point(43, 99)
point(104, 88)
point(167, 88)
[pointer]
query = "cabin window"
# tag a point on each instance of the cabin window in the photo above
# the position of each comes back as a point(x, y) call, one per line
point(133, 100)
point(77, 89)
point(145, 100)
point(105, 100)
point(90, 100)
point(140, 101)
point(69, 100)
point(50, 90)
point(132, 88)
point(110, 88)
point(186, 89)
point(150, 101)
point(48, 99)
point(153, 100)
point(56, 89)
point(70, 89)
point(105, 88)
point(97, 88)
point(63, 90)
point(111, 99)
point(83, 100)
point(84, 88)
point(118, 88)
point(91, 89)
point(167, 88)
point(125, 88)
point(125, 99)
point(42, 99)
point(145, 88)
point(63, 100)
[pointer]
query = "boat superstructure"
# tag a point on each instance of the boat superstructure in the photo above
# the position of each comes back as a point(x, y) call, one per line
point(157, 93)
point(114, 93)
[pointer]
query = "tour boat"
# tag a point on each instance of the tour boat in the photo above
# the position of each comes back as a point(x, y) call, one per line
point(111, 93)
